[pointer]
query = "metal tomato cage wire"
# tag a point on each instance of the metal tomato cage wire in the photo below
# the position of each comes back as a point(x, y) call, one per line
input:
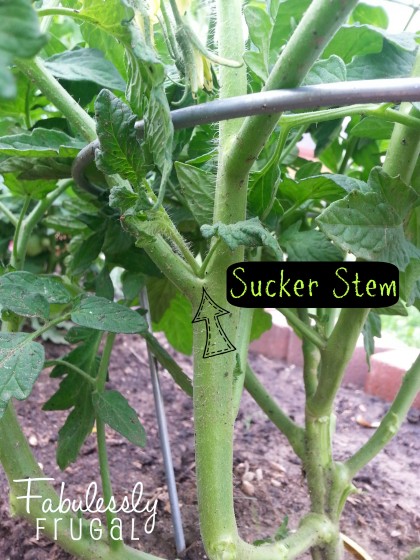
point(338, 94)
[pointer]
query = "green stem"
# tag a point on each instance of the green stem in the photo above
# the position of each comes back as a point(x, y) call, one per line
point(301, 328)
point(35, 70)
point(213, 378)
point(391, 422)
point(47, 326)
point(15, 261)
point(404, 148)
point(351, 147)
point(293, 432)
point(209, 256)
point(101, 440)
point(173, 267)
point(71, 367)
point(334, 359)
point(183, 248)
point(311, 357)
point(103, 367)
point(414, 555)
point(9, 215)
point(32, 220)
point(69, 12)
point(382, 111)
point(242, 346)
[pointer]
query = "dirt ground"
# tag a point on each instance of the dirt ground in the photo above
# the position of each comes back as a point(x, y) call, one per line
point(384, 517)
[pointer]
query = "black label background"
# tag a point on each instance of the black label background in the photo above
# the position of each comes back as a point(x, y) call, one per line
point(322, 272)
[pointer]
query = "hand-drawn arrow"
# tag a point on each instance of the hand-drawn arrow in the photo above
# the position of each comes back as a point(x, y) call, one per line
point(216, 340)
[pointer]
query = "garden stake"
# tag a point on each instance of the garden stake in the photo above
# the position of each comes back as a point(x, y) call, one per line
point(164, 437)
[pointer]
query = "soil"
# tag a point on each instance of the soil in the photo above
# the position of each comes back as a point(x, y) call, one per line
point(384, 518)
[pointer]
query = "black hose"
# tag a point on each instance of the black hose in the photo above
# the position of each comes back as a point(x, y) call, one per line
point(337, 94)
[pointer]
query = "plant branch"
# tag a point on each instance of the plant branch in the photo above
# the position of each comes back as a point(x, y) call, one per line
point(32, 220)
point(293, 432)
point(334, 359)
point(80, 121)
point(69, 12)
point(302, 329)
point(9, 215)
point(15, 260)
point(72, 367)
point(381, 111)
point(311, 357)
point(101, 440)
point(391, 422)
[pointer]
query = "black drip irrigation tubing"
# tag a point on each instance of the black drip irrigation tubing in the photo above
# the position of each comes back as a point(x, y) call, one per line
point(339, 94)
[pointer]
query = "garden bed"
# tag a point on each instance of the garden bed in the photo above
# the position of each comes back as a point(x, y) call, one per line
point(384, 518)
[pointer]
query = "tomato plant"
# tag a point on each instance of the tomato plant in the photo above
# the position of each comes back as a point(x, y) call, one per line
point(175, 207)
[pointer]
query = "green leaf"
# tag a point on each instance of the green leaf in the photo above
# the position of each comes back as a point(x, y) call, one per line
point(160, 292)
point(120, 150)
point(68, 393)
point(397, 309)
point(20, 36)
point(326, 71)
point(262, 191)
point(250, 233)
point(373, 15)
point(104, 315)
point(354, 40)
point(410, 283)
point(30, 169)
point(198, 187)
point(77, 427)
point(103, 285)
point(391, 62)
point(101, 40)
point(261, 322)
point(113, 409)
point(176, 324)
point(21, 362)
point(400, 196)
point(372, 128)
point(41, 142)
point(37, 189)
point(310, 245)
point(327, 187)
point(286, 15)
point(166, 361)
point(87, 253)
point(371, 329)
point(20, 298)
point(260, 27)
point(369, 227)
point(255, 62)
point(85, 65)
point(49, 287)
point(159, 131)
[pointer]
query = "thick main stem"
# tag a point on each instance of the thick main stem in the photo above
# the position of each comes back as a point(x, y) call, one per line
point(213, 377)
